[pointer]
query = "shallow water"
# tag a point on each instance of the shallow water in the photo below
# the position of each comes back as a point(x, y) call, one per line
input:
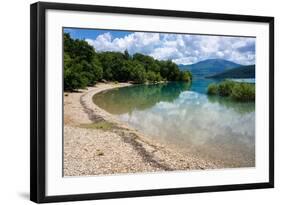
point(182, 115)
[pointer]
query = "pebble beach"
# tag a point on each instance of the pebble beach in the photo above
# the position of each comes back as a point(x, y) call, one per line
point(97, 143)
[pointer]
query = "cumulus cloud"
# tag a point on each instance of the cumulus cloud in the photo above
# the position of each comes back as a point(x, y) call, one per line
point(180, 48)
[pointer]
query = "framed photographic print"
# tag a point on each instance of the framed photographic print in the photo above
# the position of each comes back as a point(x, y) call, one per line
point(129, 102)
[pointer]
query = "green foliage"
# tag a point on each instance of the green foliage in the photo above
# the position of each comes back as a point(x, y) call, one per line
point(225, 88)
point(185, 76)
point(243, 92)
point(81, 65)
point(74, 76)
point(153, 77)
point(84, 67)
point(146, 61)
point(137, 72)
point(169, 70)
point(79, 49)
point(126, 55)
point(212, 89)
point(248, 71)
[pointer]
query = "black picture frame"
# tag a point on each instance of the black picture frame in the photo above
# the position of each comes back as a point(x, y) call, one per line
point(38, 101)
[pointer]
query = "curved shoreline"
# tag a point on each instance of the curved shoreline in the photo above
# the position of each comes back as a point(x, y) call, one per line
point(139, 153)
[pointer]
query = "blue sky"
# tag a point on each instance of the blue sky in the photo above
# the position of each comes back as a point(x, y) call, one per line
point(92, 33)
point(180, 48)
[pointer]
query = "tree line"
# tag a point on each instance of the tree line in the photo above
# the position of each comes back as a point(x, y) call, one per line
point(83, 66)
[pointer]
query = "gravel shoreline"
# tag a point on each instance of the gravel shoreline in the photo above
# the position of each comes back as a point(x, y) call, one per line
point(96, 143)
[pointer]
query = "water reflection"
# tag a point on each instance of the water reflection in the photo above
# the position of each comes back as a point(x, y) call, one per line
point(240, 107)
point(200, 127)
point(213, 128)
point(138, 97)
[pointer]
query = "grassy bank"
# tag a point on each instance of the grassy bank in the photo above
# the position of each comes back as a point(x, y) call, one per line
point(243, 92)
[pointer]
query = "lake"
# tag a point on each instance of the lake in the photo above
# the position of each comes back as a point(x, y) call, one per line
point(183, 116)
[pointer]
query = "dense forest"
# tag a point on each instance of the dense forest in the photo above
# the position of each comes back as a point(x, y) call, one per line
point(83, 66)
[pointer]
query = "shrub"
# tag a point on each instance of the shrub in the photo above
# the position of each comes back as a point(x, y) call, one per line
point(225, 87)
point(137, 73)
point(185, 76)
point(212, 89)
point(74, 77)
point(243, 92)
point(153, 77)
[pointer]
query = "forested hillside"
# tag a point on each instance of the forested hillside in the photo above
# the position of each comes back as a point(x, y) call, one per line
point(83, 66)
point(209, 67)
point(239, 72)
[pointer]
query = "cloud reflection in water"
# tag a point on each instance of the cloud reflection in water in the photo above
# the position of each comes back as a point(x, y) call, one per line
point(201, 126)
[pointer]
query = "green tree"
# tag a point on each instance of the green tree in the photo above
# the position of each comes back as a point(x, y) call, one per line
point(169, 70)
point(83, 66)
point(243, 92)
point(146, 61)
point(74, 77)
point(212, 89)
point(79, 49)
point(153, 77)
point(96, 70)
point(225, 88)
point(137, 73)
point(126, 55)
point(185, 76)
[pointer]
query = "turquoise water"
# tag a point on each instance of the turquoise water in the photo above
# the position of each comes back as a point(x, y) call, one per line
point(200, 85)
point(244, 80)
point(182, 115)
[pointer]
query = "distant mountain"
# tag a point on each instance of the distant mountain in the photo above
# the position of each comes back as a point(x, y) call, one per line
point(239, 72)
point(209, 67)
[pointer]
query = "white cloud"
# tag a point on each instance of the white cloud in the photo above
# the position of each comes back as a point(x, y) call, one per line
point(182, 49)
point(134, 42)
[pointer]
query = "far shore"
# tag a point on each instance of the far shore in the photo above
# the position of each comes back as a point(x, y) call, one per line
point(97, 143)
